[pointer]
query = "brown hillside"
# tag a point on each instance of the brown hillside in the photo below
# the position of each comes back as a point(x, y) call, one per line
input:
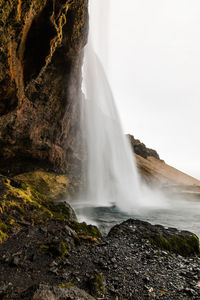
point(157, 171)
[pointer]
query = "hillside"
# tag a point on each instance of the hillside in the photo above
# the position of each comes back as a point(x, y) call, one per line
point(157, 172)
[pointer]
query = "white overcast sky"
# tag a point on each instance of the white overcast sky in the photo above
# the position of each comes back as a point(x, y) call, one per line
point(151, 52)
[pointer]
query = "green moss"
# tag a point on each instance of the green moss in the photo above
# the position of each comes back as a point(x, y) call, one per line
point(87, 231)
point(3, 226)
point(56, 249)
point(65, 285)
point(62, 212)
point(31, 197)
point(44, 246)
point(184, 245)
point(3, 236)
point(96, 285)
point(50, 185)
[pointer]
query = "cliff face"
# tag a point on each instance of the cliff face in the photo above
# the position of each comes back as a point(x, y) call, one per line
point(141, 149)
point(40, 82)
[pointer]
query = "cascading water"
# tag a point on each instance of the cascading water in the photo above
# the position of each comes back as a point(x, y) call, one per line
point(110, 177)
point(110, 173)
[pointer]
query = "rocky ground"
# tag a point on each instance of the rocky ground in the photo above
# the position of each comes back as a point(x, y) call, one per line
point(135, 261)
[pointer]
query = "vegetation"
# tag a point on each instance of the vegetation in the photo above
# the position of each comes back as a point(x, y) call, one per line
point(184, 245)
point(36, 198)
point(97, 285)
point(86, 232)
point(55, 249)
point(31, 199)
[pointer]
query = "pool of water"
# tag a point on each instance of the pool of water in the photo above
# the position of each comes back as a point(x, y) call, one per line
point(183, 215)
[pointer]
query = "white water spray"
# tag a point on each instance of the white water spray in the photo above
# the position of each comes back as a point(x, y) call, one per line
point(111, 176)
point(110, 172)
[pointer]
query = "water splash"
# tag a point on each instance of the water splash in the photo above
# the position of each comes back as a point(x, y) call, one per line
point(110, 171)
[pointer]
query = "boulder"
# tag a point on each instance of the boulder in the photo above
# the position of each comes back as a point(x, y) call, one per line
point(184, 243)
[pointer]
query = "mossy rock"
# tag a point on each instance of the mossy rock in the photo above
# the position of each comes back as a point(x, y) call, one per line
point(30, 199)
point(183, 244)
point(50, 185)
point(86, 232)
point(56, 249)
point(97, 285)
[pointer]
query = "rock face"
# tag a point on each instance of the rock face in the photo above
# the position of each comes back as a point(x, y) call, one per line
point(40, 82)
point(140, 148)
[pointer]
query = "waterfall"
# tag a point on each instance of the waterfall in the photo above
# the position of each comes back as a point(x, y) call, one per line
point(110, 173)
point(110, 176)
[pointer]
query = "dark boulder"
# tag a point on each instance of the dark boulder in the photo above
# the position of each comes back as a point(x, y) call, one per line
point(184, 243)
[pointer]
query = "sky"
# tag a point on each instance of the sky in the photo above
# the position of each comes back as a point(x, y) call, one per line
point(151, 52)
